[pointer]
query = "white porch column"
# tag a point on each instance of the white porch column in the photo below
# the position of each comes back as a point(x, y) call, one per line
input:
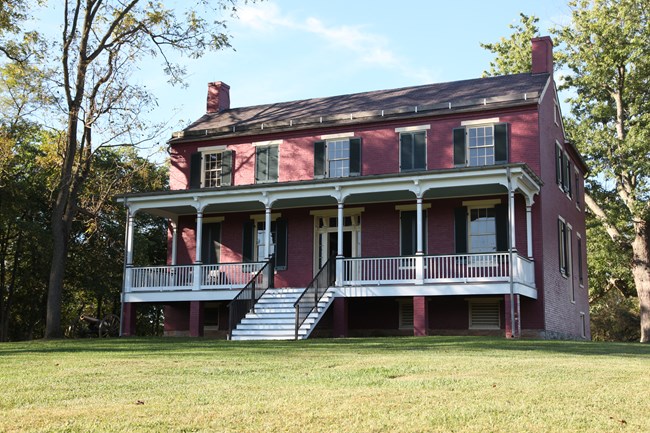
point(174, 225)
point(197, 254)
point(267, 232)
point(128, 246)
point(339, 246)
point(511, 210)
point(529, 230)
point(419, 250)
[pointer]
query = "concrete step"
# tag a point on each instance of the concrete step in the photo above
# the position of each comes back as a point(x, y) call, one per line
point(265, 332)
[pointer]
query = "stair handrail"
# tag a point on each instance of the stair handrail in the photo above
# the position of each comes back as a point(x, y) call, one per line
point(245, 300)
point(314, 291)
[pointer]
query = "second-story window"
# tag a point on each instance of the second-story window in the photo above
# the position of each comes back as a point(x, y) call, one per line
point(266, 164)
point(211, 167)
point(478, 145)
point(339, 157)
point(413, 150)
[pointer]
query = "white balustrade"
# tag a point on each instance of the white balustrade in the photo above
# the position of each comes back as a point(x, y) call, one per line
point(524, 271)
point(437, 269)
point(171, 278)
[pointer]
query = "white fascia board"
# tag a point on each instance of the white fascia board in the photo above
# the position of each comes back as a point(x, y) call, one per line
point(446, 289)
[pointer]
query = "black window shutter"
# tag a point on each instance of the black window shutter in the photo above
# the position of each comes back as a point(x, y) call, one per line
point(227, 161)
point(355, 157)
point(247, 241)
point(281, 244)
point(501, 143)
point(558, 165)
point(407, 222)
point(459, 146)
point(195, 170)
point(460, 216)
point(319, 159)
point(261, 164)
point(406, 151)
point(273, 163)
point(420, 150)
point(501, 214)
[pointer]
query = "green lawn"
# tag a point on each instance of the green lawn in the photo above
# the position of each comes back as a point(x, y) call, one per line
point(349, 385)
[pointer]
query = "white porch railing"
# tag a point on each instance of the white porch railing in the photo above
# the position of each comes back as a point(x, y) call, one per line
point(451, 268)
point(182, 277)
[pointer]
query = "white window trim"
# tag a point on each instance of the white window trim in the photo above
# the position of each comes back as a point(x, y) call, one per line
point(413, 128)
point(566, 228)
point(212, 149)
point(482, 203)
point(580, 256)
point(351, 211)
point(209, 151)
point(479, 122)
point(267, 143)
point(337, 136)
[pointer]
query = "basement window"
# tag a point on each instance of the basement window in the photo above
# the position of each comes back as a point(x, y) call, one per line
point(484, 314)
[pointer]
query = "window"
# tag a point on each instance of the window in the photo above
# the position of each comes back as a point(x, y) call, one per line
point(481, 226)
point(564, 247)
point(563, 170)
point(253, 240)
point(583, 322)
point(405, 314)
point(482, 230)
point(556, 113)
point(484, 314)
point(579, 248)
point(340, 157)
point(413, 150)
point(577, 188)
point(480, 145)
point(409, 231)
point(266, 164)
point(211, 243)
point(211, 167)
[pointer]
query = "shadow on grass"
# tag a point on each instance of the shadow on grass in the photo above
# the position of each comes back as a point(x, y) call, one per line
point(197, 346)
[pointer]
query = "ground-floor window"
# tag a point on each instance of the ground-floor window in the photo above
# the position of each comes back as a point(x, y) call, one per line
point(405, 313)
point(484, 314)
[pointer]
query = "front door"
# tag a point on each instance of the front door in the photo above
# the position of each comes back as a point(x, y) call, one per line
point(326, 239)
point(211, 243)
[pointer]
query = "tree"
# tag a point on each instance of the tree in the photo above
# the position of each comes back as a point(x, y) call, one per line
point(513, 54)
point(102, 42)
point(607, 48)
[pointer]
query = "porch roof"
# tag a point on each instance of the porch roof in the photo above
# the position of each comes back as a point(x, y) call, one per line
point(456, 182)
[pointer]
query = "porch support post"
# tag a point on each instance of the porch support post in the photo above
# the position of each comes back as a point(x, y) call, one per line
point(420, 316)
point(419, 259)
point(128, 245)
point(128, 319)
point(339, 246)
point(514, 301)
point(174, 225)
point(340, 317)
point(267, 232)
point(196, 319)
point(529, 230)
point(197, 254)
point(511, 219)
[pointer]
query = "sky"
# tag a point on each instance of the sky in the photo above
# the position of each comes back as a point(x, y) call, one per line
point(285, 50)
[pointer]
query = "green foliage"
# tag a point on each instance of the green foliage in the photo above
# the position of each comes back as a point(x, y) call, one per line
point(513, 54)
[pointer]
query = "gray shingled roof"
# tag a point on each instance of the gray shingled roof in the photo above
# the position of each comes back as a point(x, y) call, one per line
point(442, 96)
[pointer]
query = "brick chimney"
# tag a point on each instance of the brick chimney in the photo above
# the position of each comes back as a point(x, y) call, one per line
point(542, 55)
point(218, 97)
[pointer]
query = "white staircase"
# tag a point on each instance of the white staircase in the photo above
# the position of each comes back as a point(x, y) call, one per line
point(274, 317)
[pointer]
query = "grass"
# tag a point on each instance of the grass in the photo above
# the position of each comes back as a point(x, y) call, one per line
point(429, 384)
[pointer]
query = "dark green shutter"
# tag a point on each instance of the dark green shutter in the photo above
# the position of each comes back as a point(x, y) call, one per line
point(227, 162)
point(501, 215)
point(355, 156)
point(406, 151)
point(460, 229)
point(319, 159)
point(195, 170)
point(281, 244)
point(273, 163)
point(408, 231)
point(211, 243)
point(501, 143)
point(420, 150)
point(247, 241)
point(261, 164)
point(459, 147)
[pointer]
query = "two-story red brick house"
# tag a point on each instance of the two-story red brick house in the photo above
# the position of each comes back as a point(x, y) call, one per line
point(452, 208)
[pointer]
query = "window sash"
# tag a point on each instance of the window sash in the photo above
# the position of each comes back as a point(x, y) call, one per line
point(212, 169)
point(480, 145)
point(413, 150)
point(338, 158)
point(482, 230)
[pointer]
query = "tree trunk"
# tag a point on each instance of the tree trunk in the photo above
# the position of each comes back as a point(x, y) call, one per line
point(57, 271)
point(641, 273)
